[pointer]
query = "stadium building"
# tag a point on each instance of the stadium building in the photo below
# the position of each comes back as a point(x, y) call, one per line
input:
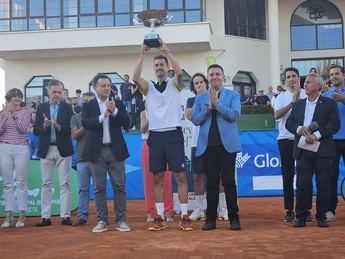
point(253, 40)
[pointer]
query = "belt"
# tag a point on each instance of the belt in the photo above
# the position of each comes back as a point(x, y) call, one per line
point(53, 144)
point(107, 145)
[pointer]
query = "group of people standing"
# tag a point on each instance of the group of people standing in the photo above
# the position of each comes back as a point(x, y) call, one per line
point(308, 122)
point(311, 134)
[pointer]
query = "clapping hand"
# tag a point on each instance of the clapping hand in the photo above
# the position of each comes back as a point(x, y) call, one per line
point(110, 104)
point(213, 99)
point(46, 121)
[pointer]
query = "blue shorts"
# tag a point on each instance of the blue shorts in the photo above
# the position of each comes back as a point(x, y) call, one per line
point(166, 147)
point(197, 163)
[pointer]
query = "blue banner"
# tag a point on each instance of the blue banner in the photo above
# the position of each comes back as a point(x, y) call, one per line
point(258, 166)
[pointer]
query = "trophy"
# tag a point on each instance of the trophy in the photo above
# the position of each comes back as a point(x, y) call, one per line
point(152, 18)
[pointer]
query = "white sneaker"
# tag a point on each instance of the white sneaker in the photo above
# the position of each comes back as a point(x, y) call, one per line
point(330, 216)
point(169, 218)
point(197, 214)
point(100, 227)
point(122, 226)
point(9, 222)
point(150, 218)
point(21, 222)
point(223, 214)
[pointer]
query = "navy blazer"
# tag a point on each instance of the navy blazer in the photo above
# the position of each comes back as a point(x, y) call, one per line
point(326, 114)
point(90, 121)
point(229, 111)
point(63, 136)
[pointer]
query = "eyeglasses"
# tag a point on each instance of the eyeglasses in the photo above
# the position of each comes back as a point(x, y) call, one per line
point(261, 91)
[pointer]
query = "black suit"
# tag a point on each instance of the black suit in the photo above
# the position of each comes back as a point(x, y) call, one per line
point(90, 121)
point(327, 116)
point(106, 158)
point(57, 152)
point(63, 136)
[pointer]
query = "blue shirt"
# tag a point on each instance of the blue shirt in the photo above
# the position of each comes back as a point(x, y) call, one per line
point(341, 107)
point(54, 110)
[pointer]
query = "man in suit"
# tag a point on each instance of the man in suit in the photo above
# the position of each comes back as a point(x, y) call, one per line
point(324, 112)
point(106, 150)
point(52, 126)
point(217, 111)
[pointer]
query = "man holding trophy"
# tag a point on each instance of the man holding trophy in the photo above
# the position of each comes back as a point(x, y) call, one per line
point(166, 143)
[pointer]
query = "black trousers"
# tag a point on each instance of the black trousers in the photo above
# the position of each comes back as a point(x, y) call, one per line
point(288, 171)
point(220, 163)
point(334, 175)
point(308, 164)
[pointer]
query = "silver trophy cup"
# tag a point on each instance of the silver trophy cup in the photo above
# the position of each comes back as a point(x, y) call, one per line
point(152, 18)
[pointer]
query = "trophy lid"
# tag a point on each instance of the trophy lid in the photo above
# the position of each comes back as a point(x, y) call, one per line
point(159, 17)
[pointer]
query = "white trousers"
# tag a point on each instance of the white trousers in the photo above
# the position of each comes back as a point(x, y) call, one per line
point(47, 167)
point(15, 158)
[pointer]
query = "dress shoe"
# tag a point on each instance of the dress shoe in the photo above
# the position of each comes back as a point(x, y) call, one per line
point(299, 223)
point(309, 217)
point(44, 223)
point(80, 222)
point(235, 224)
point(209, 225)
point(66, 221)
point(289, 217)
point(322, 223)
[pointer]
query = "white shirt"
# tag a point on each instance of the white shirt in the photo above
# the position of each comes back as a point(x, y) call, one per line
point(309, 114)
point(163, 109)
point(283, 99)
point(105, 121)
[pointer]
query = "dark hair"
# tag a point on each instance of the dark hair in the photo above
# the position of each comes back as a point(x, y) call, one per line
point(56, 82)
point(14, 92)
point(89, 94)
point(162, 57)
point(33, 105)
point(313, 69)
point(78, 91)
point(74, 98)
point(191, 84)
point(125, 75)
point(337, 66)
point(291, 69)
point(99, 76)
point(215, 66)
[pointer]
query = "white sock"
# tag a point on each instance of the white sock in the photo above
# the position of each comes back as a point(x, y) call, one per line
point(160, 208)
point(221, 201)
point(199, 200)
point(184, 209)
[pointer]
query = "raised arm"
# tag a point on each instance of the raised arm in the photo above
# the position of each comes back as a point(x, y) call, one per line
point(137, 79)
point(178, 78)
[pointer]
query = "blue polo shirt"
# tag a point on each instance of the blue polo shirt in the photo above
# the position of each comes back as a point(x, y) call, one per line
point(341, 107)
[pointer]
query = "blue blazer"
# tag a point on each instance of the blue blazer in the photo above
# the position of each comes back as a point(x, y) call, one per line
point(229, 111)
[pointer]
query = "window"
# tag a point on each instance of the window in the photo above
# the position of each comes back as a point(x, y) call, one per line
point(105, 6)
point(53, 8)
point(316, 24)
point(18, 8)
point(21, 15)
point(87, 6)
point(322, 65)
point(4, 9)
point(36, 8)
point(36, 87)
point(245, 18)
point(244, 79)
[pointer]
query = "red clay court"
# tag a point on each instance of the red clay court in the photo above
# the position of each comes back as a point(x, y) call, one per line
point(263, 235)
